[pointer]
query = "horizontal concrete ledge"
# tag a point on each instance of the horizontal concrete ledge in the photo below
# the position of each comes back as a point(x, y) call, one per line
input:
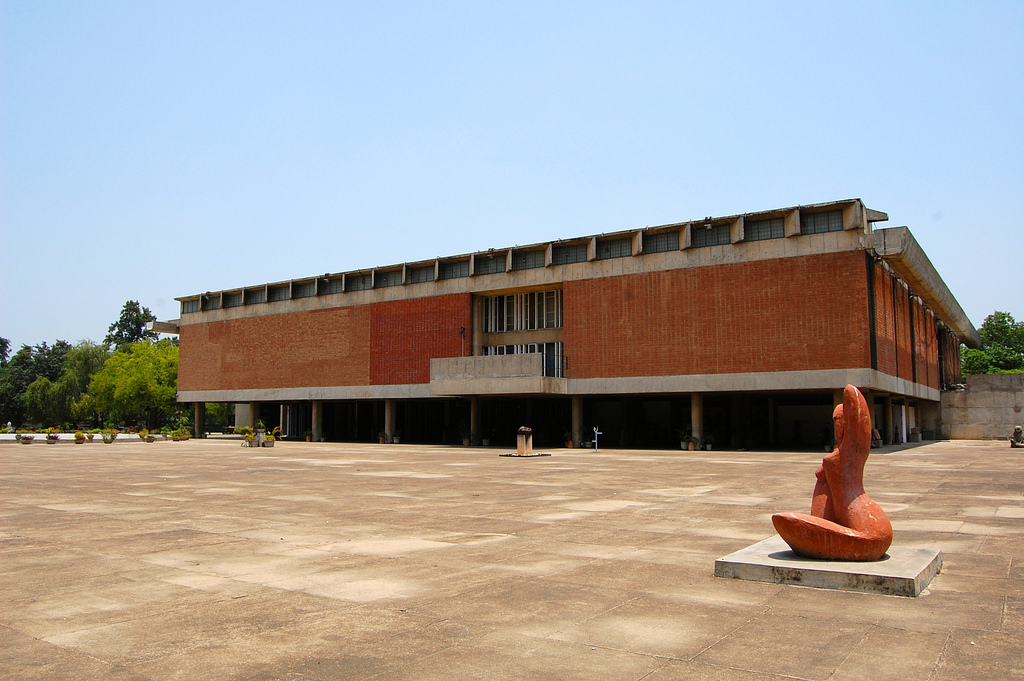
point(904, 571)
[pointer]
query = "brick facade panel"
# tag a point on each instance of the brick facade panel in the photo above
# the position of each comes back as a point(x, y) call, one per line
point(310, 348)
point(407, 334)
point(780, 315)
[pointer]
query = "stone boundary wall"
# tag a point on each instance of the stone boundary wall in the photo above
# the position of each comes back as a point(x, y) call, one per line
point(989, 408)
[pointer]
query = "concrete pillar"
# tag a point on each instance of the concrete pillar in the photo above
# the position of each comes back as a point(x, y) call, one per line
point(887, 432)
point(254, 414)
point(318, 421)
point(244, 415)
point(837, 397)
point(199, 420)
point(697, 415)
point(577, 419)
point(281, 421)
point(390, 417)
point(474, 421)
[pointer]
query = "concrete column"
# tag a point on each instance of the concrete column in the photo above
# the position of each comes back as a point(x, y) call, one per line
point(697, 415)
point(199, 420)
point(280, 419)
point(318, 420)
point(390, 417)
point(837, 397)
point(577, 419)
point(474, 421)
point(887, 430)
point(254, 414)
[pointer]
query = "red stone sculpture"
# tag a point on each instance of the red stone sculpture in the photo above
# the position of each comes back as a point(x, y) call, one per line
point(844, 523)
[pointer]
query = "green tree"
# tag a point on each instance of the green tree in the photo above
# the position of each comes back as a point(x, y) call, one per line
point(5, 350)
point(130, 327)
point(138, 385)
point(1002, 347)
point(26, 366)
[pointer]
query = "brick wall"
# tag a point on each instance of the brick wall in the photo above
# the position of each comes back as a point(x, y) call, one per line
point(406, 334)
point(791, 314)
point(382, 343)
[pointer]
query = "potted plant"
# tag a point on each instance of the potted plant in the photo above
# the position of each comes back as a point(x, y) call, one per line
point(92, 433)
point(397, 437)
point(308, 434)
point(79, 437)
point(25, 437)
point(278, 435)
point(708, 441)
point(915, 435)
point(686, 439)
point(268, 440)
point(109, 435)
point(52, 435)
point(249, 438)
point(567, 439)
point(382, 437)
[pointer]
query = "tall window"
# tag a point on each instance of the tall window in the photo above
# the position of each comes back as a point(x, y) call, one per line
point(523, 312)
point(759, 230)
point(819, 223)
point(716, 235)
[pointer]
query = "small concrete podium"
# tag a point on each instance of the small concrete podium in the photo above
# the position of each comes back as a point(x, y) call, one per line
point(903, 571)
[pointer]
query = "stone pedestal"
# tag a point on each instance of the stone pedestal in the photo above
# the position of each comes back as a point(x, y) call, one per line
point(903, 571)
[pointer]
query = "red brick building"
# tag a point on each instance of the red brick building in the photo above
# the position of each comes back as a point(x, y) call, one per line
point(741, 330)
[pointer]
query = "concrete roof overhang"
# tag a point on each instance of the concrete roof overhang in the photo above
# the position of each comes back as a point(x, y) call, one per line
point(898, 247)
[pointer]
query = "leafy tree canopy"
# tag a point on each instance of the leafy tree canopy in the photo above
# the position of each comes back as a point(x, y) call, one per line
point(5, 350)
point(138, 385)
point(130, 327)
point(1002, 347)
point(25, 367)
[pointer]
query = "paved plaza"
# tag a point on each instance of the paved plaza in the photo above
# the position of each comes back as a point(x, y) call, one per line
point(207, 560)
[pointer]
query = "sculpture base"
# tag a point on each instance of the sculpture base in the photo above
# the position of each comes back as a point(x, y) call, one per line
point(903, 571)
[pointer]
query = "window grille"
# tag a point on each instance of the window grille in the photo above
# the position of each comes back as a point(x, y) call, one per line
point(275, 293)
point(760, 230)
point(232, 299)
point(418, 275)
point(305, 289)
point(568, 254)
point(331, 285)
point(255, 295)
point(389, 278)
point(717, 235)
point(523, 311)
point(661, 242)
point(358, 282)
point(188, 306)
point(819, 223)
point(493, 264)
point(614, 248)
point(453, 270)
point(212, 302)
point(527, 260)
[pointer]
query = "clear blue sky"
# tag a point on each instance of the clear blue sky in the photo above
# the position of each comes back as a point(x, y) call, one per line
point(153, 150)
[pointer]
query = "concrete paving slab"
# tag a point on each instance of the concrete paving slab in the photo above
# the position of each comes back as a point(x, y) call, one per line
point(203, 559)
point(903, 571)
